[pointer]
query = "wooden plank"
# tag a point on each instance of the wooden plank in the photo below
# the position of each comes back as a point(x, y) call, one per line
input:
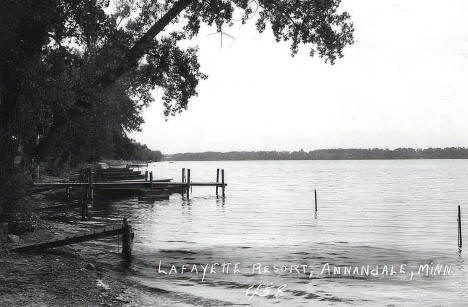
point(78, 238)
point(118, 173)
point(137, 165)
point(115, 170)
point(138, 189)
point(121, 177)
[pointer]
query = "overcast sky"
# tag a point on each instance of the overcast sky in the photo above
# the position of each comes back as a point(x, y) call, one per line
point(402, 84)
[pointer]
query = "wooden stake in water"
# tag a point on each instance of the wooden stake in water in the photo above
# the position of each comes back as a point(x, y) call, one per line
point(183, 180)
point(127, 239)
point(188, 183)
point(217, 180)
point(315, 193)
point(460, 243)
point(146, 175)
point(222, 182)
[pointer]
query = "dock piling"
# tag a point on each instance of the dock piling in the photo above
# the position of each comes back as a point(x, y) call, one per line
point(183, 180)
point(146, 175)
point(188, 183)
point(222, 182)
point(151, 180)
point(460, 243)
point(217, 180)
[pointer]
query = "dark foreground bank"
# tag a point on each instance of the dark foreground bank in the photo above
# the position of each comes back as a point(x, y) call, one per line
point(61, 276)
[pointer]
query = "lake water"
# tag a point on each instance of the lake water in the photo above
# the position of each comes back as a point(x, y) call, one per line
point(400, 213)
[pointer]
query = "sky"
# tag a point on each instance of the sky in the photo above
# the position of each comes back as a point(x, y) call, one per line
point(401, 84)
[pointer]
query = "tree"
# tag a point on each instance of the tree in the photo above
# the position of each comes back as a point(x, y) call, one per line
point(73, 78)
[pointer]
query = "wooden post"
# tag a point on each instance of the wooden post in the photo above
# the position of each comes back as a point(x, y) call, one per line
point(68, 193)
point(84, 210)
point(188, 183)
point(151, 180)
point(85, 179)
point(38, 172)
point(460, 242)
point(315, 193)
point(69, 166)
point(146, 175)
point(183, 180)
point(127, 239)
point(90, 183)
point(222, 181)
point(217, 180)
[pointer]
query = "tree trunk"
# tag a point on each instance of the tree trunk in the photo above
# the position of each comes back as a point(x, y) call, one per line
point(8, 142)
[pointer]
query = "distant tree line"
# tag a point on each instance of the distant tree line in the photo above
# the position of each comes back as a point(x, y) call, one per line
point(326, 154)
point(143, 153)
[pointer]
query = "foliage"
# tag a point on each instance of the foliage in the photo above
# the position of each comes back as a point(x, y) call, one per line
point(128, 149)
point(75, 75)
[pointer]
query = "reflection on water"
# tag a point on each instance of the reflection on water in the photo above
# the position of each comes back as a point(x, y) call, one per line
point(372, 213)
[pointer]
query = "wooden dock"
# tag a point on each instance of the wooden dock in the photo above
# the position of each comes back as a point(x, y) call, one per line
point(156, 183)
point(119, 181)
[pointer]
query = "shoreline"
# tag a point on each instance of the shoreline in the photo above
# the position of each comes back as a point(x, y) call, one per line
point(61, 276)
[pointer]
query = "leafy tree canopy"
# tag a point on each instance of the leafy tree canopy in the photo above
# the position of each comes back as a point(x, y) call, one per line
point(75, 75)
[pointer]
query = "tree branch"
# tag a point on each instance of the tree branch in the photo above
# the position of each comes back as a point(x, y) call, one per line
point(141, 46)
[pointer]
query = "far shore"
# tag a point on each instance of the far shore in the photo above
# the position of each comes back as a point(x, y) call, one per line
point(325, 154)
